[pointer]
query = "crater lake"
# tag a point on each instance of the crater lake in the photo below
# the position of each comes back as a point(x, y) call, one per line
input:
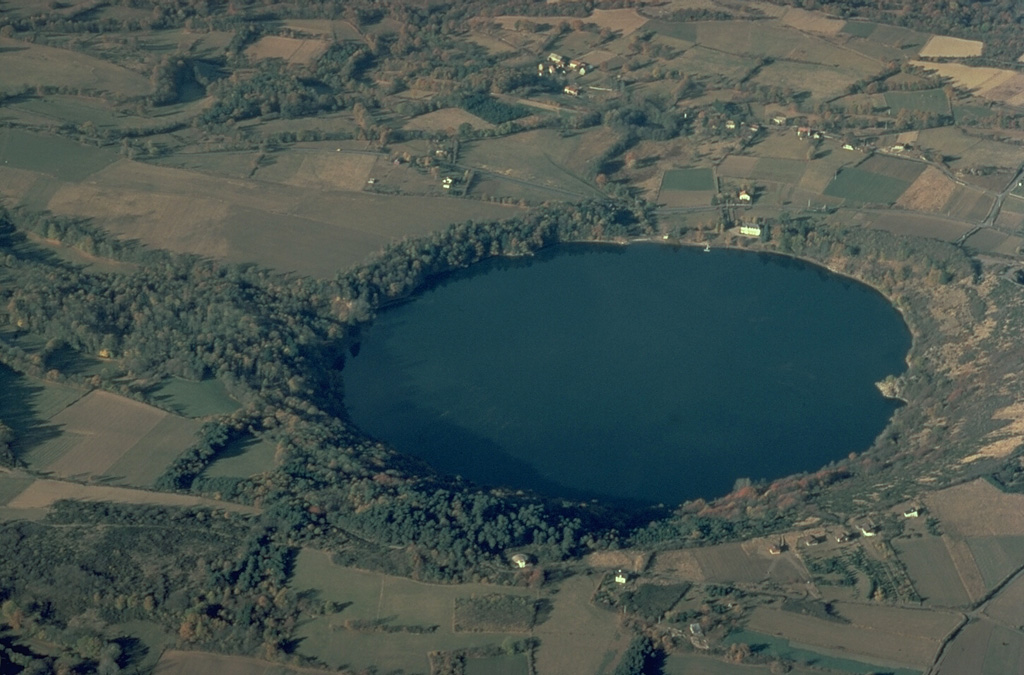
point(642, 373)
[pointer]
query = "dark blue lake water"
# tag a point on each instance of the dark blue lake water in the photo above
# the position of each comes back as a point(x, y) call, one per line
point(641, 372)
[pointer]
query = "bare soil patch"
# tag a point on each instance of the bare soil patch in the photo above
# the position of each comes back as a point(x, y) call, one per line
point(943, 46)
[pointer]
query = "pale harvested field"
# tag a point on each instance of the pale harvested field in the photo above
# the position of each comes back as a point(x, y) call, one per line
point(632, 561)
point(31, 65)
point(986, 648)
point(732, 562)
point(931, 569)
point(978, 509)
point(781, 144)
point(121, 439)
point(579, 637)
point(292, 50)
point(174, 662)
point(311, 231)
point(737, 166)
point(624, 20)
point(814, 22)
point(939, 46)
point(680, 564)
point(331, 171)
point(543, 157)
point(1010, 92)
point(969, 204)
point(887, 634)
point(15, 183)
point(929, 193)
point(446, 118)
point(337, 640)
point(979, 80)
point(915, 224)
point(45, 492)
point(1007, 607)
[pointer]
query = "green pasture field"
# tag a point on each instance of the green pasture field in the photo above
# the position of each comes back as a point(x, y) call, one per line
point(673, 29)
point(52, 155)
point(992, 241)
point(821, 83)
point(151, 634)
point(997, 557)
point(12, 486)
point(194, 399)
point(232, 164)
point(33, 64)
point(688, 664)
point(144, 463)
point(928, 100)
point(900, 169)
point(860, 29)
point(901, 38)
point(781, 648)
point(689, 180)
point(932, 570)
point(515, 664)
point(26, 404)
point(544, 158)
point(965, 114)
point(243, 459)
point(699, 59)
point(779, 170)
point(863, 186)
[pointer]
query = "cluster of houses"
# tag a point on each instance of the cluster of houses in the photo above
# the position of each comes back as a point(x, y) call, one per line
point(559, 64)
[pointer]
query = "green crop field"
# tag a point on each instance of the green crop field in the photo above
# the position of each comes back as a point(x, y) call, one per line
point(863, 186)
point(689, 180)
point(929, 101)
point(195, 399)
